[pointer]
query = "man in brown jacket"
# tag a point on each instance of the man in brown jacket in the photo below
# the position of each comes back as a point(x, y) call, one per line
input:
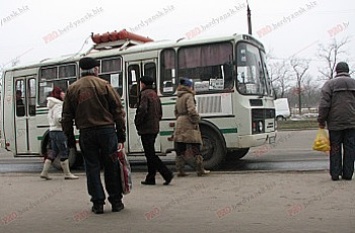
point(337, 110)
point(148, 115)
point(98, 113)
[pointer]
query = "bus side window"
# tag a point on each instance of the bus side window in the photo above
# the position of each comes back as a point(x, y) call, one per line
point(20, 107)
point(31, 97)
point(168, 72)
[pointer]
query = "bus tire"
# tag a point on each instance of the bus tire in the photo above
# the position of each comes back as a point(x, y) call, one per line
point(213, 149)
point(237, 154)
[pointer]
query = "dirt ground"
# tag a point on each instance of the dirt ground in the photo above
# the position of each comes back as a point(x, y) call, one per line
point(221, 202)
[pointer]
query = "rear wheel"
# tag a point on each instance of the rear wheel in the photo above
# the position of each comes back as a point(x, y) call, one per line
point(213, 149)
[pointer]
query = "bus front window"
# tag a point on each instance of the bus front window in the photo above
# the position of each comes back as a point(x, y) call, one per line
point(250, 72)
point(208, 65)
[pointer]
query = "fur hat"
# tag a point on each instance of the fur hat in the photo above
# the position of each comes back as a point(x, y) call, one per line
point(88, 63)
point(147, 80)
point(56, 93)
point(342, 67)
point(186, 82)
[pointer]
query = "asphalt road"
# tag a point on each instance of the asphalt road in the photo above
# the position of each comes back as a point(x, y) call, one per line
point(292, 151)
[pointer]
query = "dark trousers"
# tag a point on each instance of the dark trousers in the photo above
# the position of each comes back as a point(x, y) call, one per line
point(154, 163)
point(342, 165)
point(99, 146)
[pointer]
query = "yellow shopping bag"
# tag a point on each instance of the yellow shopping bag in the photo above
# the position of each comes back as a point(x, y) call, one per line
point(321, 143)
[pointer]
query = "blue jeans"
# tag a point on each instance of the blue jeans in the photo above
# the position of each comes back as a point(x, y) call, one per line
point(342, 165)
point(59, 146)
point(99, 146)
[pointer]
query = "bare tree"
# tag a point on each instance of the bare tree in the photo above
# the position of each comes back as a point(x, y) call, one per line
point(299, 68)
point(279, 73)
point(280, 77)
point(311, 92)
point(330, 55)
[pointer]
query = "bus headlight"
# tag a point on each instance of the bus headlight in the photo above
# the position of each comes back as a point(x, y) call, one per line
point(260, 126)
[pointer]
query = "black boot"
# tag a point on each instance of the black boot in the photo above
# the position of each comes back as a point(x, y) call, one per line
point(117, 206)
point(97, 208)
point(168, 179)
point(149, 180)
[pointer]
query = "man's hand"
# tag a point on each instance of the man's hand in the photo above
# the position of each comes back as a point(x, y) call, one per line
point(71, 141)
point(120, 146)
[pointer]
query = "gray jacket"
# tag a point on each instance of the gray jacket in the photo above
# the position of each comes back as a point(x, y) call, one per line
point(337, 104)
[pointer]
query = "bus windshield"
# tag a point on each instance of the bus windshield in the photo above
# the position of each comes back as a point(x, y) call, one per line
point(251, 77)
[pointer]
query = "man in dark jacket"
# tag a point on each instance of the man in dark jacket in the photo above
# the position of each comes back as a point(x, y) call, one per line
point(148, 115)
point(98, 113)
point(337, 110)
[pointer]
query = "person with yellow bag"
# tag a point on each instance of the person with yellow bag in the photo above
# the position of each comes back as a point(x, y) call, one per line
point(337, 111)
point(321, 143)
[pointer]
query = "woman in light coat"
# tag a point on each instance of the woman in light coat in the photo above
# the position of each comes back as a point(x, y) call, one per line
point(57, 137)
point(187, 135)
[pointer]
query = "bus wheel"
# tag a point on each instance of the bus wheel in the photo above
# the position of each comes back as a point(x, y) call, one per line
point(213, 149)
point(237, 154)
point(72, 159)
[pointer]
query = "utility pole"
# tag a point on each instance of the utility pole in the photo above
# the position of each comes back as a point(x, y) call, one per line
point(249, 19)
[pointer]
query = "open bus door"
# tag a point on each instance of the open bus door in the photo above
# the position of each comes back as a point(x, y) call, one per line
point(136, 69)
point(25, 116)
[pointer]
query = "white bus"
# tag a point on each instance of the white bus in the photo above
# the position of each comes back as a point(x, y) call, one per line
point(233, 92)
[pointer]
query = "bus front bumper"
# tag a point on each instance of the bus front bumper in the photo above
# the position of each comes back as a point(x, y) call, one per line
point(256, 140)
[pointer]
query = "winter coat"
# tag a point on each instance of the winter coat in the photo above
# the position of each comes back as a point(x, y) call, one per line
point(149, 112)
point(337, 104)
point(92, 102)
point(54, 114)
point(187, 128)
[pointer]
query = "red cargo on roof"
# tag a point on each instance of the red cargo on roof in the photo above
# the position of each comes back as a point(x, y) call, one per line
point(121, 35)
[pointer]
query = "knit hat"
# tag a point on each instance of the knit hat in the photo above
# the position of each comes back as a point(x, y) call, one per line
point(56, 93)
point(342, 67)
point(186, 82)
point(88, 63)
point(147, 80)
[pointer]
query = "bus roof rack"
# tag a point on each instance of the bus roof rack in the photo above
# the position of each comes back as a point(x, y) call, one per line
point(122, 39)
point(121, 44)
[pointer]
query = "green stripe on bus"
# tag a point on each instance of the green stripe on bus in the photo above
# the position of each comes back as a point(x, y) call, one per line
point(223, 131)
point(41, 111)
point(169, 103)
point(166, 133)
point(228, 131)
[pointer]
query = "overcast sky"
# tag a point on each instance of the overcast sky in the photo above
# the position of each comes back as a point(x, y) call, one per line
point(32, 30)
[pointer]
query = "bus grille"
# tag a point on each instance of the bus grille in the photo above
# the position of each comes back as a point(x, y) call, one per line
point(209, 104)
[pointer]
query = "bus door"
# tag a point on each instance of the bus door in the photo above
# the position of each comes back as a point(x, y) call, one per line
point(25, 116)
point(135, 70)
